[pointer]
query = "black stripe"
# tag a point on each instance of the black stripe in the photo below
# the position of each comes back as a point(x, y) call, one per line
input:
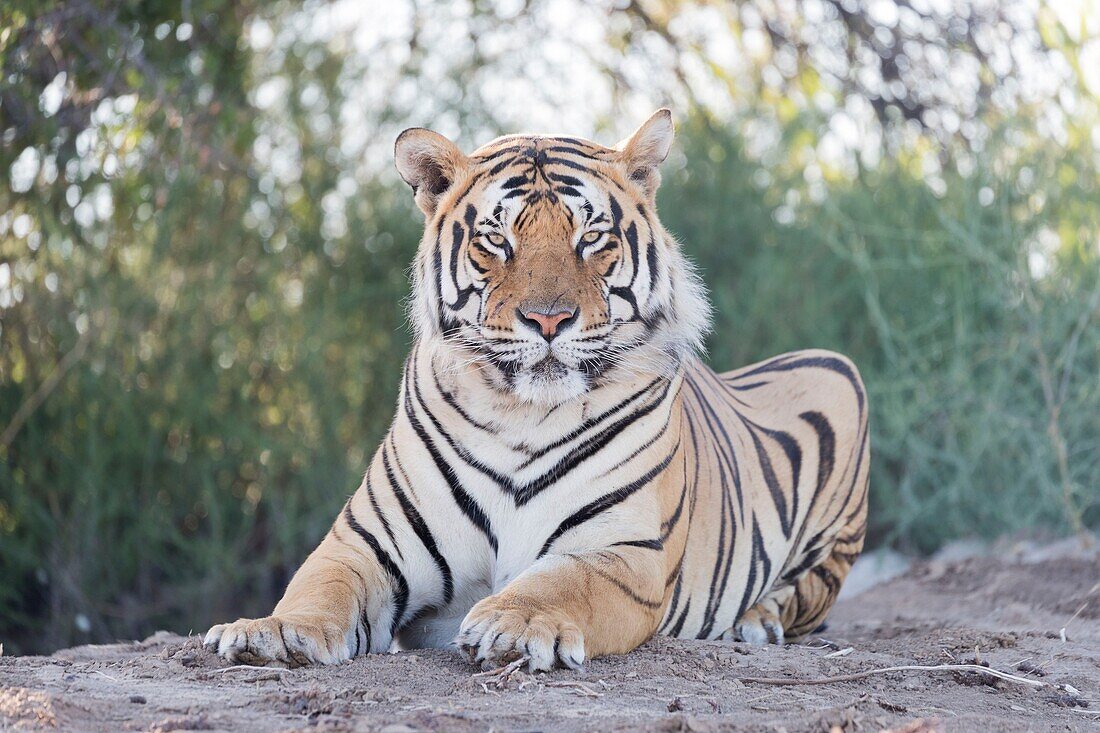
point(654, 544)
point(605, 502)
point(652, 263)
point(567, 180)
point(577, 455)
point(578, 148)
point(587, 425)
point(724, 553)
point(585, 450)
point(493, 154)
point(502, 165)
point(675, 631)
point(364, 611)
point(669, 525)
point(826, 459)
point(812, 557)
point(639, 450)
point(558, 160)
point(515, 182)
point(381, 515)
point(779, 499)
point(717, 427)
point(464, 501)
point(627, 294)
point(421, 529)
point(743, 387)
point(760, 566)
point(401, 592)
point(790, 362)
point(631, 234)
point(670, 612)
point(626, 589)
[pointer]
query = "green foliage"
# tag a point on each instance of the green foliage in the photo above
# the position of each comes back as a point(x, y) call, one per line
point(982, 374)
point(202, 326)
point(205, 371)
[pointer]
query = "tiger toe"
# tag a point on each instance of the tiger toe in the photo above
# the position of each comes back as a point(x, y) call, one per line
point(758, 626)
point(493, 635)
point(277, 641)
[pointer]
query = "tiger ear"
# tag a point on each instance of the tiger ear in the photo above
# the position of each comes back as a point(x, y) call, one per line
point(428, 162)
point(646, 149)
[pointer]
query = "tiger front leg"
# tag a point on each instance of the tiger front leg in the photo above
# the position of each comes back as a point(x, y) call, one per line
point(338, 605)
point(570, 607)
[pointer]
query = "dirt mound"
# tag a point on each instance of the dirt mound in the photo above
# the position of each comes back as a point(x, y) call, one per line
point(1034, 616)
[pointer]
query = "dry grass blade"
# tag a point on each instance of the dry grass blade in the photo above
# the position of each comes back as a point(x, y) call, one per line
point(253, 667)
point(902, 668)
point(580, 687)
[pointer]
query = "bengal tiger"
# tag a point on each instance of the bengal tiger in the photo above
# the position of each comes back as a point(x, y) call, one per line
point(564, 477)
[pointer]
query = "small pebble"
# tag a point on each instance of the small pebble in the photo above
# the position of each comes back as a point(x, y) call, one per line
point(139, 699)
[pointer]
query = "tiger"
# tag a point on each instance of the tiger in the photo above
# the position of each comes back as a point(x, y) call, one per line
point(564, 477)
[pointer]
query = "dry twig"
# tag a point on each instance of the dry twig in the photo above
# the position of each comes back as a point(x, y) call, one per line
point(500, 676)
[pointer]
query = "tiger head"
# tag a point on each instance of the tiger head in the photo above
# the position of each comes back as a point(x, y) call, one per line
point(543, 260)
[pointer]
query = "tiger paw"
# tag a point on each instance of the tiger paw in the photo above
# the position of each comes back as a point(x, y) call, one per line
point(759, 625)
point(497, 632)
point(291, 640)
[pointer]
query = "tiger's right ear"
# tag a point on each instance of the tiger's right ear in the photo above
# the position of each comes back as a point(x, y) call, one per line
point(643, 152)
point(429, 163)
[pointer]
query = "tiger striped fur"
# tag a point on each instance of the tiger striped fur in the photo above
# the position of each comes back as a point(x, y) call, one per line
point(563, 477)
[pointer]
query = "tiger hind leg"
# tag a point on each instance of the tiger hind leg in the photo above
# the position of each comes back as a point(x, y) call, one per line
point(763, 623)
point(816, 591)
point(789, 613)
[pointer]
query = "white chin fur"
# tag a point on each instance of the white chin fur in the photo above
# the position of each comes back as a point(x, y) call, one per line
point(539, 389)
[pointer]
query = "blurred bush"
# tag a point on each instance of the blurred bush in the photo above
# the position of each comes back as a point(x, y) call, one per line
point(203, 257)
point(971, 313)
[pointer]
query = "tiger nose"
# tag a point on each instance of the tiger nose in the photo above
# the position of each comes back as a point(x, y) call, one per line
point(547, 324)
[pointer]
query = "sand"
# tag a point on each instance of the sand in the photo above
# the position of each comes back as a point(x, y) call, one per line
point(1033, 613)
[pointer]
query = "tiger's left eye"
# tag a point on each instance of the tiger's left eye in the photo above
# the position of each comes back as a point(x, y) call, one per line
point(495, 239)
point(591, 237)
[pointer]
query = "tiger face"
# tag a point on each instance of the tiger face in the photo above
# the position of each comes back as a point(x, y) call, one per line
point(544, 263)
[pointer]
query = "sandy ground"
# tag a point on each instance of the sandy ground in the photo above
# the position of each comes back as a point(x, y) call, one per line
point(1034, 613)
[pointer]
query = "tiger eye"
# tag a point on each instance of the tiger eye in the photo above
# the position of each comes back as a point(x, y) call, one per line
point(591, 237)
point(495, 239)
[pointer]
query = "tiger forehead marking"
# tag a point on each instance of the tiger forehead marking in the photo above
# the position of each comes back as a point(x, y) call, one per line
point(562, 478)
point(544, 191)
